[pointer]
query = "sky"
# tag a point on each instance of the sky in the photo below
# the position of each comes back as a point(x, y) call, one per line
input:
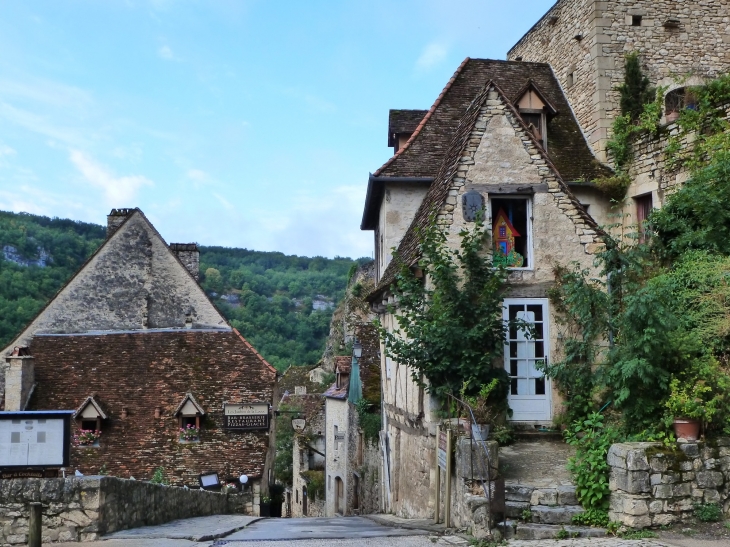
point(240, 123)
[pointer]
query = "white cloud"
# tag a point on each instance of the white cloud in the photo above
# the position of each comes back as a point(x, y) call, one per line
point(118, 191)
point(223, 201)
point(5, 150)
point(165, 52)
point(432, 55)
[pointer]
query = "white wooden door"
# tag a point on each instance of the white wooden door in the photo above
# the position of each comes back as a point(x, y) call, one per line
point(529, 394)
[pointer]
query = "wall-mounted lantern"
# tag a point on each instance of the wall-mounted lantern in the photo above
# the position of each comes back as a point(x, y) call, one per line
point(357, 350)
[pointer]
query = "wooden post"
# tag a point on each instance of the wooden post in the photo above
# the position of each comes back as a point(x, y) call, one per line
point(447, 501)
point(34, 526)
point(438, 478)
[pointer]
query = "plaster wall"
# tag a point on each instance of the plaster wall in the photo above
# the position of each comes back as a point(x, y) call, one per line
point(696, 46)
point(337, 415)
point(400, 202)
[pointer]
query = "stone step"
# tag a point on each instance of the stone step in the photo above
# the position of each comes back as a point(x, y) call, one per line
point(554, 514)
point(537, 495)
point(521, 530)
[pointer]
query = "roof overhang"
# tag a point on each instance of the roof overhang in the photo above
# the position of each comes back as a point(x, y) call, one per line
point(374, 196)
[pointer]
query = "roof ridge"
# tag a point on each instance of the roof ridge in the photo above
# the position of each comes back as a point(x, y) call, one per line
point(564, 186)
point(425, 119)
point(446, 173)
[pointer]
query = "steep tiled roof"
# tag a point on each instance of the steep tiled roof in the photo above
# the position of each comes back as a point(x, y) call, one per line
point(422, 156)
point(409, 247)
point(403, 121)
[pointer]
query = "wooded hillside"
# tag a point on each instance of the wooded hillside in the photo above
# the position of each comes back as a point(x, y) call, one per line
point(281, 303)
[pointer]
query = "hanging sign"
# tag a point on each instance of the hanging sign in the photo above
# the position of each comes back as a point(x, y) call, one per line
point(298, 424)
point(246, 416)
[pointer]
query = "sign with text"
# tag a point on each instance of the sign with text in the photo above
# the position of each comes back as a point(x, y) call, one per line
point(442, 448)
point(33, 440)
point(246, 416)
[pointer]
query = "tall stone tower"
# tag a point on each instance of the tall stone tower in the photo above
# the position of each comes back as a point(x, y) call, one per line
point(680, 42)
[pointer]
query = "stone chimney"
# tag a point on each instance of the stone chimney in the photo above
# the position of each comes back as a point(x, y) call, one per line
point(189, 255)
point(115, 219)
point(19, 379)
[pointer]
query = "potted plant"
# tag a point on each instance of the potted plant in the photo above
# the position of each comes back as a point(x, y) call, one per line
point(483, 411)
point(690, 404)
point(265, 506)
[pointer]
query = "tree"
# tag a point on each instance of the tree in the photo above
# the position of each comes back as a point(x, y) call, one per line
point(450, 326)
point(636, 90)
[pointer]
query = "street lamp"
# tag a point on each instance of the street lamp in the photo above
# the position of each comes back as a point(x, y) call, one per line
point(357, 350)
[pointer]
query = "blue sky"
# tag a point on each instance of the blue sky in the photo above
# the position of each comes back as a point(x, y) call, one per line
point(237, 123)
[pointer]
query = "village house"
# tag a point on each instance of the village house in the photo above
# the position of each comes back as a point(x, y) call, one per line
point(523, 140)
point(135, 348)
point(353, 463)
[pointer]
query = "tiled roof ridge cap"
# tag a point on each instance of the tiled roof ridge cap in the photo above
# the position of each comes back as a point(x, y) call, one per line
point(264, 361)
point(566, 190)
point(425, 119)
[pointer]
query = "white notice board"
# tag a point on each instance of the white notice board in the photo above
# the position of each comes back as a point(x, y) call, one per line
point(33, 439)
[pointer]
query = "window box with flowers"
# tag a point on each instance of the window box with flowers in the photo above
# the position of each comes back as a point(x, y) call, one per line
point(189, 434)
point(87, 438)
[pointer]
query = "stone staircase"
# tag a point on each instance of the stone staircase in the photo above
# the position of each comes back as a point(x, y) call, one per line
point(540, 512)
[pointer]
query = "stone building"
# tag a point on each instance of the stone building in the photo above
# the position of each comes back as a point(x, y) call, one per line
point(503, 134)
point(585, 42)
point(353, 463)
point(133, 345)
point(307, 495)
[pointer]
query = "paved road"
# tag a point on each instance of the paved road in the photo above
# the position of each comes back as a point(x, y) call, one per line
point(221, 531)
point(315, 528)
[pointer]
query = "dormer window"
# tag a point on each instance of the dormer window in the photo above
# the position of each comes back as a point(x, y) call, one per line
point(534, 109)
point(189, 413)
point(89, 417)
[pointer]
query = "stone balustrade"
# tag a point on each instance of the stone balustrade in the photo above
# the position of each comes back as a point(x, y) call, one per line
point(652, 485)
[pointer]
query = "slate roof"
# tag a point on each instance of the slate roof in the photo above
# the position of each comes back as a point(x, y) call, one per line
point(423, 154)
point(409, 247)
point(403, 121)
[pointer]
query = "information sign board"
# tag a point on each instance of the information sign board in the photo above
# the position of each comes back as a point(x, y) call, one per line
point(247, 416)
point(442, 449)
point(35, 439)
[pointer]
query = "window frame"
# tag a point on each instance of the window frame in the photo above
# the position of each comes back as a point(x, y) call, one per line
point(529, 243)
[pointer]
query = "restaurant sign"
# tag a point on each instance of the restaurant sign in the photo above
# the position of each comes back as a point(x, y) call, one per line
point(246, 416)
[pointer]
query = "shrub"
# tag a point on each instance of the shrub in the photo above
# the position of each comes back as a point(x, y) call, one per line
point(708, 512)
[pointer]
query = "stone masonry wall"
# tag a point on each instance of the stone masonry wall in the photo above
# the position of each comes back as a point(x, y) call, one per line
point(83, 509)
point(697, 46)
point(654, 486)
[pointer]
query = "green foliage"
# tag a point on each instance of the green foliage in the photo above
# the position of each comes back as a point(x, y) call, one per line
point(315, 483)
point(159, 477)
point(614, 188)
point(482, 407)
point(527, 515)
point(284, 446)
point(275, 293)
point(708, 512)
point(450, 326)
point(370, 422)
point(592, 517)
point(636, 90)
point(503, 434)
point(24, 290)
point(592, 439)
point(613, 527)
point(103, 470)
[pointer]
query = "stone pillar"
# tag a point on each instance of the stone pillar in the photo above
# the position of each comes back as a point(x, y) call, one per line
point(189, 255)
point(19, 381)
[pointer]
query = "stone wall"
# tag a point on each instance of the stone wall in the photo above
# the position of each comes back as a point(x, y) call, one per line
point(697, 45)
point(655, 486)
point(83, 509)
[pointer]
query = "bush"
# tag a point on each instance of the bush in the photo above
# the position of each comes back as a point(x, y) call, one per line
point(708, 512)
